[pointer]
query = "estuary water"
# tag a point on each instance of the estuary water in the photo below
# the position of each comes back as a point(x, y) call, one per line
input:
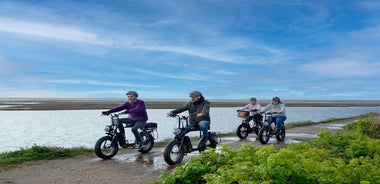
point(76, 128)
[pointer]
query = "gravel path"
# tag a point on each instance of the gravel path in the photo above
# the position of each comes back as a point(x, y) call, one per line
point(130, 166)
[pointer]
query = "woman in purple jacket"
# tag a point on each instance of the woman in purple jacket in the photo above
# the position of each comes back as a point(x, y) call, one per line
point(136, 114)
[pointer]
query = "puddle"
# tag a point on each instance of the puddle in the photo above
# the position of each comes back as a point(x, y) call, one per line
point(302, 135)
point(335, 126)
point(153, 160)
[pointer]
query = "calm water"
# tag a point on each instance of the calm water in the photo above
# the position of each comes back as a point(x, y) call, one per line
point(74, 128)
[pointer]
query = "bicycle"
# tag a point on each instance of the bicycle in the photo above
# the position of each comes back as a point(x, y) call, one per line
point(245, 128)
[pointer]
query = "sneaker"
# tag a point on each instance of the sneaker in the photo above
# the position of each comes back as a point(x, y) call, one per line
point(138, 145)
point(202, 145)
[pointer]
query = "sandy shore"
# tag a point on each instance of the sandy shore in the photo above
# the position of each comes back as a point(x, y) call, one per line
point(94, 103)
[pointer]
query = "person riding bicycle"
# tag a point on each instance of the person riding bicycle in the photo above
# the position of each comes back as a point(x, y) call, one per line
point(199, 113)
point(254, 111)
point(136, 114)
point(277, 108)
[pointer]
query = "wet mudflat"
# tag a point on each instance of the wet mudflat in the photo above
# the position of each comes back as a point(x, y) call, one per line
point(98, 103)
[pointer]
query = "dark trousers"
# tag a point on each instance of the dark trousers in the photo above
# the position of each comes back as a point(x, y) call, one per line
point(137, 125)
point(256, 118)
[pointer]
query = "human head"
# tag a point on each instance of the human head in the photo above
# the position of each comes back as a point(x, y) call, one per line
point(132, 96)
point(276, 100)
point(134, 93)
point(195, 95)
point(253, 99)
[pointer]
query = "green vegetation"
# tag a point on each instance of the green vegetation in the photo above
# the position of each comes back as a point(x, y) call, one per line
point(350, 156)
point(9, 159)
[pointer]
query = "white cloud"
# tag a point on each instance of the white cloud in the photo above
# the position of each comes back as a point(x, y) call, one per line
point(57, 32)
point(369, 34)
point(33, 93)
point(206, 54)
point(166, 75)
point(341, 68)
point(73, 34)
point(371, 5)
point(89, 82)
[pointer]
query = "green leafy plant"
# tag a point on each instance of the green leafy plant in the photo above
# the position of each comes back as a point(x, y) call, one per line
point(350, 156)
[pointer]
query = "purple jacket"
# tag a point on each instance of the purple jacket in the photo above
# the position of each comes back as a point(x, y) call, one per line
point(137, 111)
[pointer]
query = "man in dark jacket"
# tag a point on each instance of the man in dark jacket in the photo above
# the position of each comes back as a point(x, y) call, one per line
point(199, 115)
point(136, 114)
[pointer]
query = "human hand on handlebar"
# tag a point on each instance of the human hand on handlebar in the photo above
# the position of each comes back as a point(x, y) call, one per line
point(170, 114)
point(106, 113)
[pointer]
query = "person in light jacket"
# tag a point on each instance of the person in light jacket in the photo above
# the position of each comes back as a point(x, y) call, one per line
point(254, 111)
point(277, 107)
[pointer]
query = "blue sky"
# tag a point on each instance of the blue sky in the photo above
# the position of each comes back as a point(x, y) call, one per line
point(165, 49)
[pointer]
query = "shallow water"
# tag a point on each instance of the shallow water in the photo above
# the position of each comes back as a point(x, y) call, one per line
point(74, 128)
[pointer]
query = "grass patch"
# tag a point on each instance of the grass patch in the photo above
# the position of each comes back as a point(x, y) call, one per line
point(9, 159)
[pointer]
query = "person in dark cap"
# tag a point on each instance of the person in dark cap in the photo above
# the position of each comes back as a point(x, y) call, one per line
point(136, 114)
point(254, 108)
point(278, 108)
point(199, 114)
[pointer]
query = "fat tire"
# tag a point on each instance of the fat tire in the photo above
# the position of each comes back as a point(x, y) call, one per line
point(174, 153)
point(264, 135)
point(242, 131)
point(147, 144)
point(281, 135)
point(213, 139)
point(106, 147)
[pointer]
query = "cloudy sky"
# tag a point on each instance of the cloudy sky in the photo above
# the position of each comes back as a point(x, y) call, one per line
point(166, 48)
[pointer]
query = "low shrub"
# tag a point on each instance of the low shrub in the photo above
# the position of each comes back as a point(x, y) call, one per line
point(351, 156)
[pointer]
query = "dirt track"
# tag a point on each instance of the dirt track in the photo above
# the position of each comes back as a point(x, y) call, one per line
point(130, 166)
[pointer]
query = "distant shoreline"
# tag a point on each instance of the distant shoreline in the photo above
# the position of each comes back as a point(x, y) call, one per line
point(97, 103)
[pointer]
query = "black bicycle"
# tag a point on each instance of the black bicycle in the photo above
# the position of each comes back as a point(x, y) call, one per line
point(181, 145)
point(269, 128)
point(244, 129)
point(107, 146)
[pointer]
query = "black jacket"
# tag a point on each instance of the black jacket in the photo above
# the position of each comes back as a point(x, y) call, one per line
point(200, 106)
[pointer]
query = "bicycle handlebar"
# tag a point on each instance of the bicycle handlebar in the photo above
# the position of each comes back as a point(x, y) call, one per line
point(116, 114)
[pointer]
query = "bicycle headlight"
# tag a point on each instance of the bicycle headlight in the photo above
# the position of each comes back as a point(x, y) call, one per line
point(107, 128)
point(177, 131)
